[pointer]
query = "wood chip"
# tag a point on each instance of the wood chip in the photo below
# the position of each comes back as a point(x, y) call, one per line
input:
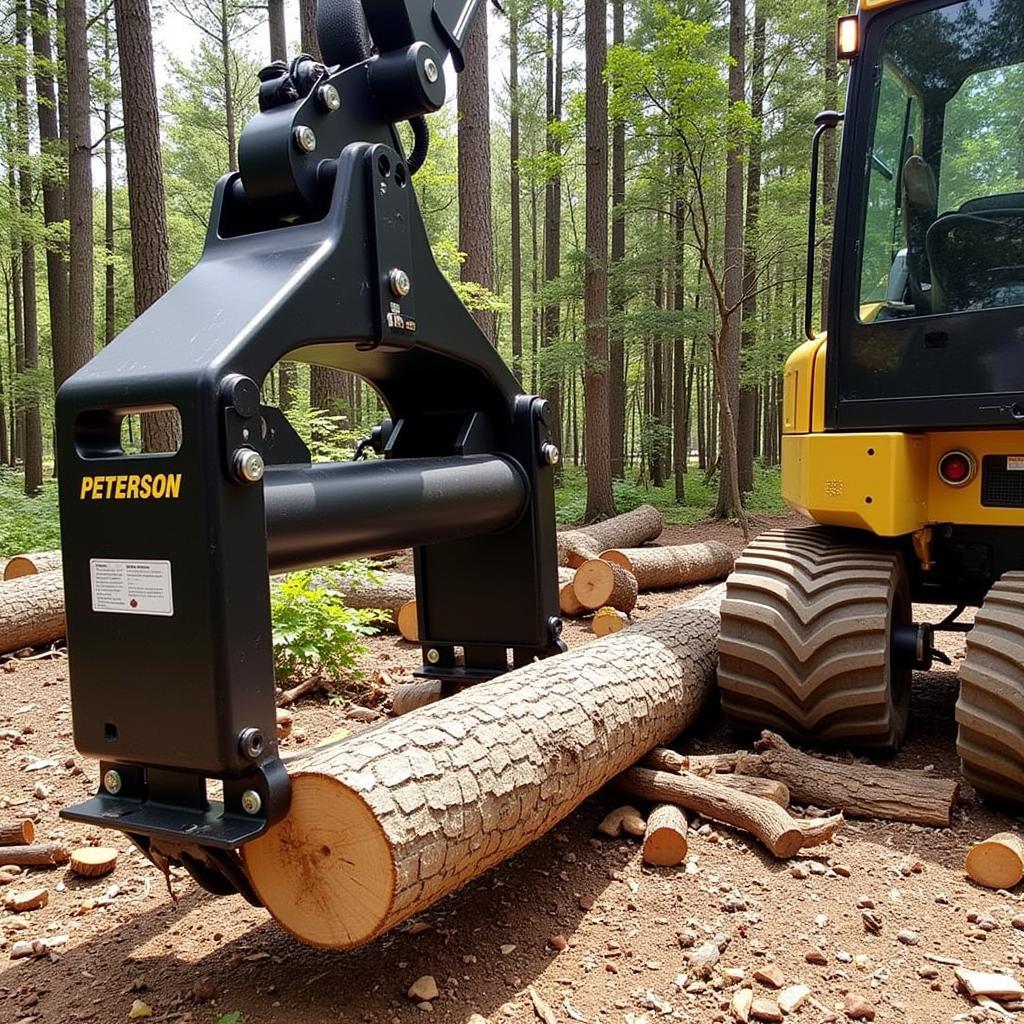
point(30, 899)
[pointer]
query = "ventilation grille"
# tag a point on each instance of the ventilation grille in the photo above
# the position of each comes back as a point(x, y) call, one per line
point(1002, 484)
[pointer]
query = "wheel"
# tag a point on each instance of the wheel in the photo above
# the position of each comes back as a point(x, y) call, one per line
point(990, 711)
point(805, 645)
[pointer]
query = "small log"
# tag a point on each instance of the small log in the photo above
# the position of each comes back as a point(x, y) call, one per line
point(665, 838)
point(858, 790)
point(666, 760)
point(406, 697)
point(676, 566)
point(297, 692)
point(996, 862)
point(36, 855)
point(31, 611)
point(388, 595)
point(16, 833)
point(93, 861)
point(783, 835)
point(599, 584)
point(629, 530)
point(669, 761)
point(32, 564)
point(607, 620)
point(568, 603)
point(408, 619)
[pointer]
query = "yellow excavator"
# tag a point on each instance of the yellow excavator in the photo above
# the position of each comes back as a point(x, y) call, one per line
point(904, 423)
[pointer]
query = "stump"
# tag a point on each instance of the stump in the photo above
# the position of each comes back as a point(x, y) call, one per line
point(384, 823)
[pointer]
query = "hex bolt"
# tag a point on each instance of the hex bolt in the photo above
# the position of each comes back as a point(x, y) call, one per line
point(329, 97)
point(305, 138)
point(431, 70)
point(250, 743)
point(112, 782)
point(248, 465)
point(550, 454)
point(400, 283)
point(433, 655)
point(251, 802)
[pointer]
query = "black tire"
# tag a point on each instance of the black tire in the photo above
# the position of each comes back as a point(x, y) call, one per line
point(990, 711)
point(805, 646)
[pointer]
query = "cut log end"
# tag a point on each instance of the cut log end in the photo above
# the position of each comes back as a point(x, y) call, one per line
point(997, 862)
point(665, 838)
point(409, 622)
point(568, 603)
point(327, 868)
point(599, 583)
point(16, 833)
point(93, 861)
point(607, 620)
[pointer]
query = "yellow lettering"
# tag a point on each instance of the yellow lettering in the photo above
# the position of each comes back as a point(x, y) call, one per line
point(145, 486)
point(87, 482)
point(119, 490)
point(97, 488)
point(110, 481)
point(132, 490)
point(131, 486)
point(173, 485)
point(159, 485)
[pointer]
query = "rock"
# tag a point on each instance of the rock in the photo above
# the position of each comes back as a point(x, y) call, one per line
point(558, 942)
point(987, 923)
point(872, 921)
point(766, 1010)
point(140, 1009)
point(40, 791)
point(204, 990)
point(908, 937)
point(792, 998)
point(475, 1018)
point(30, 899)
point(984, 983)
point(742, 1001)
point(508, 949)
point(770, 975)
point(1018, 923)
point(799, 871)
point(865, 903)
point(842, 870)
point(856, 1007)
point(422, 990)
point(815, 956)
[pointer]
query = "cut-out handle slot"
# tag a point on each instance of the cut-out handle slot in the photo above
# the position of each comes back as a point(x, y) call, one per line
point(114, 433)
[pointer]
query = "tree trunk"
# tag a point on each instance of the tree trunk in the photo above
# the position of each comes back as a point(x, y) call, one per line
point(276, 27)
point(747, 423)
point(32, 611)
point(828, 156)
point(678, 566)
point(629, 530)
point(476, 229)
point(617, 284)
point(109, 297)
point(307, 29)
point(515, 189)
point(32, 441)
point(81, 327)
point(228, 87)
point(681, 403)
point(53, 191)
point(383, 825)
point(600, 503)
point(151, 274)
point(727, 365)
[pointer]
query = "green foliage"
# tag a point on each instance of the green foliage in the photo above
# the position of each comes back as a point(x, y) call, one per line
point(315, 635)
point(27, 524)
point(234, 1017)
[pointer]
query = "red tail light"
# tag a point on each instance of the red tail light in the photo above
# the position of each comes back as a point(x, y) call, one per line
point(957, 469)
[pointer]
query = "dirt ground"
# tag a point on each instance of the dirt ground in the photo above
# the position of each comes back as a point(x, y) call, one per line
point(202, 959)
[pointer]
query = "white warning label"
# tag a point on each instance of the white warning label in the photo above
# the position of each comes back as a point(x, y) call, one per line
point(1015, 463)
point(130, 587)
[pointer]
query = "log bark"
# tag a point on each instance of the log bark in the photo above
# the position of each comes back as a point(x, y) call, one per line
point(660, 568)
point(996, 862)
point(607, 621)
point(408, 697)
point(629, 530)
point(665, 838)
point(669, 761)
point(600, 584)
point(35, 855)
point(31, 611)
point(16, 833)
point(783, 835)
point(393, 591)
point(32, 564)
point(384, 823)
point(858, 790)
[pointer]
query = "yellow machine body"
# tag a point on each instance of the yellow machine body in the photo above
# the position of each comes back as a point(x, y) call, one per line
point(885, 483)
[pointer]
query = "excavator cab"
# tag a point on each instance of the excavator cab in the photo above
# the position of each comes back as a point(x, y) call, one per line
point(903, 422)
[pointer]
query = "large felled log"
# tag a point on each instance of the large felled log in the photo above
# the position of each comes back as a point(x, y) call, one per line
point(629, 530)
point(31, 564)
point(384, 823)
point(392, 590)
point(600, 584)
point(31, 611)
point(997, 862)
point(780, 833)
point(676, 566)
point(663, 760)
point(858, 790)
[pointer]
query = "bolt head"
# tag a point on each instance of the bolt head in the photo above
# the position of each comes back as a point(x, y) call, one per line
point(400, 282)
point(249, 465)
point(329, 97)
point(112, 782)
point(433, 655)
point(431, 70)
point(550, 454)
point(305, 138)
point(251, 802)
point(250, 743)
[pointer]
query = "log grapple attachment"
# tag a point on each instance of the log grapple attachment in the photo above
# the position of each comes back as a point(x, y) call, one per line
point(316, 251)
